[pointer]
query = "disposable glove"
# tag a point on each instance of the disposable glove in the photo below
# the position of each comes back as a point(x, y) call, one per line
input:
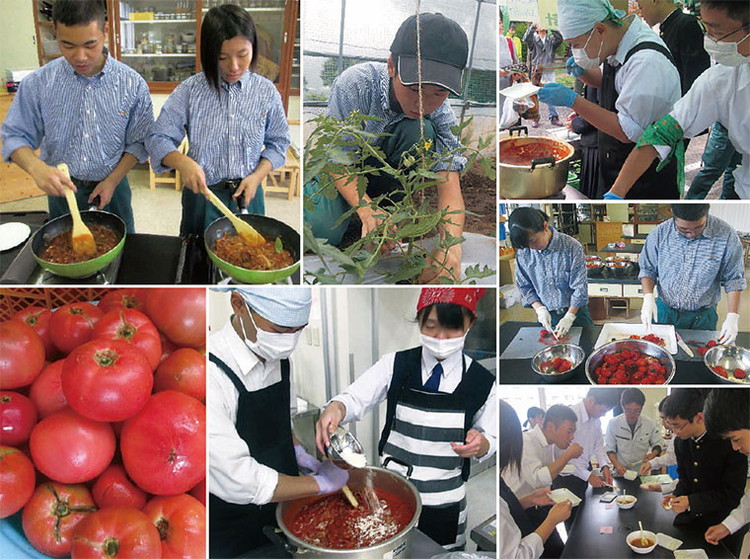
point(544, 318)
point(558, 95)
point(566, 322)
point(612, 196)
point(330, 478)
point(648, 310)
point(574, 69)
point(730, 328)
point(304, 460)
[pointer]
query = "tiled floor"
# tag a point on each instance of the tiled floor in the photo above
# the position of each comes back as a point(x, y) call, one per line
point(481, 495)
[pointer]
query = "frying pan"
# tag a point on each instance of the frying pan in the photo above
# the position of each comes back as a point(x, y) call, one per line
point(270, 228)
point(63, 224)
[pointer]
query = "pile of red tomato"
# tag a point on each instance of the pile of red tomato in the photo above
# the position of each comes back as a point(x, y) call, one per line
point(556, 365)
point(703, 350)
point(653, 338)
point(722, 372)
point(630, 367)
point(103, 438)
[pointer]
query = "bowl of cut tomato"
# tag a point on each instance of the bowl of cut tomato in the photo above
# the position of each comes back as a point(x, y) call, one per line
point(729, 363)
point(630, 361)
point(558, 362)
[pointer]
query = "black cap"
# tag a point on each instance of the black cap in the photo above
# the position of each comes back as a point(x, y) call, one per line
point(444, 49)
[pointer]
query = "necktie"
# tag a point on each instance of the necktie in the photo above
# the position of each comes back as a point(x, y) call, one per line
point(433, 383)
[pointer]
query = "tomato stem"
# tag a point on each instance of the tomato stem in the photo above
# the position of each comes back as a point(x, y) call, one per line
point(106, 358)
point(111, 547)
point(162, 525)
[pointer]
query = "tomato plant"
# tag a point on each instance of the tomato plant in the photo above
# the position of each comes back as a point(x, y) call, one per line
point(185, 371)
point(181, 522)
point(52, 514)
point(39, 319)
point(73, 325)
point(17, 478)
point(46, 391)
point(17, 418)
point(123, 299)
point(116, 532)
point(163, 446)
point(106, 380)
point(113, 488)
point(21, 355)
point(70, 448)
point(180, 313)
point(133, 327)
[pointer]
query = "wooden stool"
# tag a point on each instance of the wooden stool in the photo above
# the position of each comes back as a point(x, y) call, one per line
point(285, 179)
point(170, 177)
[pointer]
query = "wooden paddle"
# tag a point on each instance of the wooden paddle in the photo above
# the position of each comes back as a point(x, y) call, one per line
point(244, 230)
point(81, 237)
point(350, 496)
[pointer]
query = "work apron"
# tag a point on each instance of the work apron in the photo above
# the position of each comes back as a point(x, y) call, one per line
point(263, 422)
point(613, 153)
point(704, 318)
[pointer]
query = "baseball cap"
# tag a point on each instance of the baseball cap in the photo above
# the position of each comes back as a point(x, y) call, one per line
point(444, 49)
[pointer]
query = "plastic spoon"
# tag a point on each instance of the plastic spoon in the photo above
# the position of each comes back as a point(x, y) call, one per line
point(81, 238)
point(644, 541)
point(244, 230)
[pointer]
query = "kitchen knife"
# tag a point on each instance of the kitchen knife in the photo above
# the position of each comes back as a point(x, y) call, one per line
point(684, 346)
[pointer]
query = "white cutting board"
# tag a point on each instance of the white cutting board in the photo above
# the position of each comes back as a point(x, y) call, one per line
point(527, 342)
point(623, 331)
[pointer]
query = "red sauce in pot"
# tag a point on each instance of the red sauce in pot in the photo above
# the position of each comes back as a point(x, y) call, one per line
point(523, 154)
point(333, 523)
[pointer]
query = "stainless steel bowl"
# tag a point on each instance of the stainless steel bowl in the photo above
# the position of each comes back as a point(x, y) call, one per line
point(341, 439)
point(648, 348)
point(731, 358)
point(571, 352)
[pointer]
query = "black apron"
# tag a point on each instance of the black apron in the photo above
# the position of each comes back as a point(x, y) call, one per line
point(263, 422)
point(613, 153)
point(515, 508)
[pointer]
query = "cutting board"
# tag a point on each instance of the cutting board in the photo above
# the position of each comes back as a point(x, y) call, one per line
point(528, 342)
point(694, 339)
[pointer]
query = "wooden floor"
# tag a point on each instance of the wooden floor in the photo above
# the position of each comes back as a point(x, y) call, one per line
point(15, 184)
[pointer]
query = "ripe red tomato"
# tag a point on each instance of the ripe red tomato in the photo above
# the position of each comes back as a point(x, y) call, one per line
point(116, 532)
point(180, 313)
point(199, 491)
point(21, 355)
point(17, 418)
point(711, 343)
point(115, 489)
point(52, 514)
point(73, 325)
point(740, 374)
point(123, 299)
point(70, 448)
point(181, 522)
point(163, 446)
point(185, 371)
point(133, 327)
point(106, 380)
point(46, 391)
point(39, 319)
point(17, 479)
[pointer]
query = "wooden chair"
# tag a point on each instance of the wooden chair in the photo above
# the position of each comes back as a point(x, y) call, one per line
point(285, 179)
point(170, 177)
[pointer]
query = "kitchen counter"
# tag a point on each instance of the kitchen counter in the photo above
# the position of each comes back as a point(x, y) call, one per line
point(629, 247)
point(629, 281)
point(519, 371)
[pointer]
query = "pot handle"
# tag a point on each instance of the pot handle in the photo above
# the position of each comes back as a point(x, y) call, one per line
point(518, 129)
point(543, 161)
point(274, 534)
point(242, 206)
point(409, 467)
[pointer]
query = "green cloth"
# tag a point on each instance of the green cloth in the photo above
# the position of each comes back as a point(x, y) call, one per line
point(701, 319)
point(667, 132)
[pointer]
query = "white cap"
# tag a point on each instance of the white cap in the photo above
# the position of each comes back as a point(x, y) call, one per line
point(576, 17)
point(284, 306)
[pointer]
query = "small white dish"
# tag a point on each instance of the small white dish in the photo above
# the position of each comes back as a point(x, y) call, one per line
point(520, 90)
point(633, 536)
point(626, 502)
point(13, 234)
point(564, 494)
point(630, 475)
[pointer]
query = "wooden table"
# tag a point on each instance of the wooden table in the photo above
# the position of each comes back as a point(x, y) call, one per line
point(15, 184)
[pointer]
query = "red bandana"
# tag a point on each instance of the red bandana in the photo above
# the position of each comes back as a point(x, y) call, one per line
point(464, 296)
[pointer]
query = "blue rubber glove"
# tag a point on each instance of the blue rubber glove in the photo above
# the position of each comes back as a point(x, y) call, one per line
point(304, 460)
point(574, 69)
point(330, 478)
point(612, 196)
point(558, 95)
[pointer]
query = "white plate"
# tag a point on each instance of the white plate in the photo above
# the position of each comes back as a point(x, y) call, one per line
point(668, 542)
point(564, 494)
point(623, 331)
point(13, 234)
point(630, 475)
point(690, 554)
point(520, 90)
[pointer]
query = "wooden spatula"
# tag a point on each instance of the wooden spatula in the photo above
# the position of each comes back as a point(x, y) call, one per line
point(81, 237)
point(350, 496)
point(244, 230)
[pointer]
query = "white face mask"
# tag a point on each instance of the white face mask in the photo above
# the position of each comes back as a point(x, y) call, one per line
point(272, 346)
point(441, 348)
point(725, 54)
point(583, 60)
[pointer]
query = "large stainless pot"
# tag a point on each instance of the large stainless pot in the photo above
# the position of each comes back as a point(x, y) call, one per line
point(397, 546)
point(543, 177)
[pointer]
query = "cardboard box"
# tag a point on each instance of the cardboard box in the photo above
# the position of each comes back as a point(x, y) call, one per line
point(507, 269)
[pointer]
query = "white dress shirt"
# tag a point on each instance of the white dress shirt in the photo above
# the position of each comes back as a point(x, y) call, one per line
point(648, 85)
point(537, 455)
point(739, 516)
point(371, 389)
point(512, 545)
point(720, 94)
point(233, 474)
point(589, 436)
point(630, 446)
point(666, 459)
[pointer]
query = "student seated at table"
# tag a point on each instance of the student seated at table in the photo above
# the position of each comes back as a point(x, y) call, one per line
point(534, 417)
point(665, 460)
point(727, 414)
point(518, 538)
point(632, 438)
point(712, 475)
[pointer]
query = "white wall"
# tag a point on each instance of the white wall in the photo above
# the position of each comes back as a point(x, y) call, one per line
point(17, 37)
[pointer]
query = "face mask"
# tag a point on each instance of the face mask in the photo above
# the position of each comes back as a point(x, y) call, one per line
point(583, 60)
point(272, 346)
point(725, 54)
point(442, 348)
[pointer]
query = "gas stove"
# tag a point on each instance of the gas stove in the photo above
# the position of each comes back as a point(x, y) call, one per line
point(106, 276)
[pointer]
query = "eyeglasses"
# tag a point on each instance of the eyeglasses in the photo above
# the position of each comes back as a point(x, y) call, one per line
point(717, 39)
point(692, 230)
point(677, 428)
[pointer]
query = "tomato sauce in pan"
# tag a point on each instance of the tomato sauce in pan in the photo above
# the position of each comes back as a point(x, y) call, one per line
point(233, 249)
point(60, 248)
point(522, 155)
point(333, 523)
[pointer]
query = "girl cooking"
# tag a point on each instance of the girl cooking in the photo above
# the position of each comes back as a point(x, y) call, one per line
point(550, 271)
point(436, 395)
point(234, 120)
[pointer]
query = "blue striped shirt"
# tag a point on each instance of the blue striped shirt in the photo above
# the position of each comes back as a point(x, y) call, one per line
point(688, 272)
point(365, 88)
point(86, 122)
point(555, 276)
point(228, 132)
